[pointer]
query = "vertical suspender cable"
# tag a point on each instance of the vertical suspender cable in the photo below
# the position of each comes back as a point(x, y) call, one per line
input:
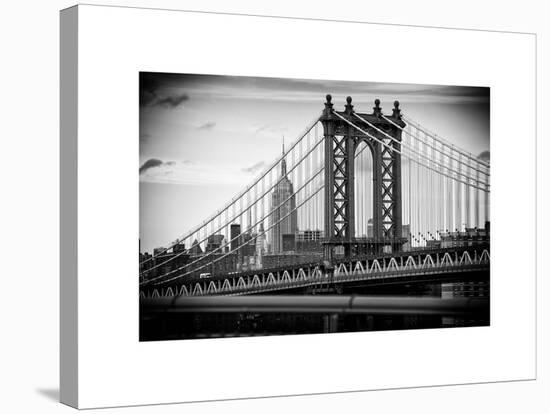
point(476, 203)
point(458, 201)
point(410, 198)
point(430, 194)
point(467, 197)
point(488, 199)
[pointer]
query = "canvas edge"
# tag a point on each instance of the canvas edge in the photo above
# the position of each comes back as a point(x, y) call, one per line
point(68, 207)
point(68, 200)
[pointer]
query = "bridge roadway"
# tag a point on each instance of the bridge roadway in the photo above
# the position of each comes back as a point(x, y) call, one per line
point(426, 265)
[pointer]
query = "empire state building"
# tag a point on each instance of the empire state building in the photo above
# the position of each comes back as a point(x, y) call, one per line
point(283, 201)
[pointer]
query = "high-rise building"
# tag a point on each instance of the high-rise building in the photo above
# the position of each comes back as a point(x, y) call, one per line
point(283, 207)
point(309, 241)
point(309, 235)
point(370, 228)
point(406, 234)
point(247, 244)
point(179, 247)
point(195, 248)
point(289, 242)
point(261, 246)
point(234, 231)
point(157, 251)
point(261, 243)
point(214, 243)
point(249, 238)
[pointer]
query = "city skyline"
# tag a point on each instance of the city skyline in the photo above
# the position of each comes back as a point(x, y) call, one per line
point(185, 117)
point(283, 204)
point(367, 205)
point(283, 219)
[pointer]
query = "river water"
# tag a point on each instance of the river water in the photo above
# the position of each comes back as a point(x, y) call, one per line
point(169, 326)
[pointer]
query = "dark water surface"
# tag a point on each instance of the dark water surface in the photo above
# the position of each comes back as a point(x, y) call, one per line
point(211, 324)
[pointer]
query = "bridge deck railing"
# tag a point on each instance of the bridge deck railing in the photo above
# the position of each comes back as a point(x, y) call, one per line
point(385, 270)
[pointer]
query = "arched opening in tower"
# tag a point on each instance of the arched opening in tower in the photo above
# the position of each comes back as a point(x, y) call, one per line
point(363, 187)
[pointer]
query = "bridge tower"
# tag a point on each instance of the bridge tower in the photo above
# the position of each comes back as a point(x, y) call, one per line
point(341, 141)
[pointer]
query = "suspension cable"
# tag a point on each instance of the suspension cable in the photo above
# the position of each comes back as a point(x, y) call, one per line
point(487, 173)
point(234, 238)
point(241, 246)
point(264, 193)
point(468, 177)
point(406, 155)
point(197, 228)
point(443, 141)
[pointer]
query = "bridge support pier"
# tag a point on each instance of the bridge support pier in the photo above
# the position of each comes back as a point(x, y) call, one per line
point(330, 323)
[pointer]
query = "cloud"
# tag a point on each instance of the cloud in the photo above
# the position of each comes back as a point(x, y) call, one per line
point(207, 125)
point(150, 163)
point(152, 93)
point(278, 90)
point(147, 90)
point(307, 90)
point(194, 173)
point(162, 165)
point(254, 168)
point(270, 129)
point(172, 101)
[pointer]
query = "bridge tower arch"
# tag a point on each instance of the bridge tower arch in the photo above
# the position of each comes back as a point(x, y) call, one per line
point(362, 176)
point(341, 140)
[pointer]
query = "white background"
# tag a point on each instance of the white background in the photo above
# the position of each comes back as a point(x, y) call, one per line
point(30, 175)
point(114, 367)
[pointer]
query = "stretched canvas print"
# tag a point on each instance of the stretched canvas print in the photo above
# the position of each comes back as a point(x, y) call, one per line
point(257, 206)
point(274, 206)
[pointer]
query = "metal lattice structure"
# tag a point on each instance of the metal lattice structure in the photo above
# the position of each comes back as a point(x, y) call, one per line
point(445, 265)
point(441, 193)
point(342, 140)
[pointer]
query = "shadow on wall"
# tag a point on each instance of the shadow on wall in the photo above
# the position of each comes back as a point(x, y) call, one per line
point(49, 393)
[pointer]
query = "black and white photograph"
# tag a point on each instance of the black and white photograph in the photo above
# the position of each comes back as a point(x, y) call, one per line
point(276, 206)
point(273, 206)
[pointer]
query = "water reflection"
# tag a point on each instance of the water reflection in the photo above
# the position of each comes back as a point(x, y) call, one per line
point(254, 321)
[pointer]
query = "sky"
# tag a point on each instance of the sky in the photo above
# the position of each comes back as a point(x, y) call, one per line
point(205, 137)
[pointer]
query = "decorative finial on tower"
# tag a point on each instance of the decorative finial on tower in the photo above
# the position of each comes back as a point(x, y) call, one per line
point(328, 105)
point(376, 108)
point(396, 110)
point(349, 106)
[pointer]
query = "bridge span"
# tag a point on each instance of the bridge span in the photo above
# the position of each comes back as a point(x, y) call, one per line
point(375, 203)
point(438, 265)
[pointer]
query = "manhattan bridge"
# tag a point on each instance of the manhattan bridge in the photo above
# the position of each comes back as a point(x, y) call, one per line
point(360, 199)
